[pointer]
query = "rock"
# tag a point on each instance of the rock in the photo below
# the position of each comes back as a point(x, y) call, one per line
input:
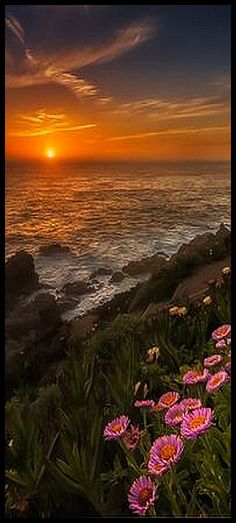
point(47, 309)
point(151, 264)
point(117, 277)
point(101, 271)
point(53, 249)
point(77, 288)
point(20, 275)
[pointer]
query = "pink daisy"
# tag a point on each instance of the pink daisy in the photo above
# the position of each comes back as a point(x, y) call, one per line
point(174, 415)
point(212, 360)
point(195, 376)
point(131, 437)
point(142, 495)
point(167, 400)
point(116, 428)
point(144, 404)
point(222, 332)
point(166, 450)
point(221, 344)
point(216, 381)
point(196, 422)
point(190, 404)
point(228, 368)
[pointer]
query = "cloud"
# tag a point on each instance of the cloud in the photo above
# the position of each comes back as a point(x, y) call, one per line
point(41, 123)
point(195, 130)
point(158, 108)
point(16, 28)
point(60, 67)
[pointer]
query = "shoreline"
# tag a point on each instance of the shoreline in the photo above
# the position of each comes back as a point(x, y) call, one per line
point(37, 338)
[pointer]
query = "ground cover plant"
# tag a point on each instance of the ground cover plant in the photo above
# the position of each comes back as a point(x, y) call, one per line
point(136, 422)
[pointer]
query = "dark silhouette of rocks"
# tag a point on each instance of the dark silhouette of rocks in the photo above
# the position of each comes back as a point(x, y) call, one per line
point(117, 277)
point(53, 249)
point(101, 271)
point(20, 278)
point(77, 288)
point(151, 264)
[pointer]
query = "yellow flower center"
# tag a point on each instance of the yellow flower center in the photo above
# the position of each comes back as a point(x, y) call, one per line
point(144, 495)
point(168, 400)
point(196, 422)
point(168, 451)
point(215, 381)
point(222, 331)
point(116, 427)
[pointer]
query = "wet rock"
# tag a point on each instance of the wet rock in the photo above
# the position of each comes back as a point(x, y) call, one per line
point(77, 288)
point(151, 264)
point(101, 271)
point(117, 277)
point(20, 275)
point(53, 249)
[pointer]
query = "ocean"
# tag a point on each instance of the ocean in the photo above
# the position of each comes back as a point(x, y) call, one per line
point(108, 215)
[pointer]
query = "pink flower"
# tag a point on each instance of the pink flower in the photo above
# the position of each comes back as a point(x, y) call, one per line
point(228, 342)
point(142, 495)
point(195, 376)
point(216, 381)
point(196, 422)
point(228, 368)
point(190, 404)
point(131, 437)
point(166, 450)
point(149, 404)
point(212, 360)
point(222, 332)
point(229, 354)
point(221, 344)
point(167, 400)
point(116, 428)
point(174, 415)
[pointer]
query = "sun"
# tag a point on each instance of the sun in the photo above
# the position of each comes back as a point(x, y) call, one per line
point(50, 153)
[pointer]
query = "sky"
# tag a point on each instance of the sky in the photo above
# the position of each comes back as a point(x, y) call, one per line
point(136, 82)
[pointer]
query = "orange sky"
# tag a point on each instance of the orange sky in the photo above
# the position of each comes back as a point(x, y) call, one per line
point(102, 114)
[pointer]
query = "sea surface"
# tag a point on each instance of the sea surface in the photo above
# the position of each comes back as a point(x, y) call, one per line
point(108, 215)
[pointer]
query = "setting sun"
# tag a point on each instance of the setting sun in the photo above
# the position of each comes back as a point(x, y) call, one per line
point(50, 153)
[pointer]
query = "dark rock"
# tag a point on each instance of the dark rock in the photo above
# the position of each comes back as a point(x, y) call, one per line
point(47, 309)
point(53, 249)
point(151, 264)
point(77, 288)
point(20, 275)
point(101, 271)
point(117, 277)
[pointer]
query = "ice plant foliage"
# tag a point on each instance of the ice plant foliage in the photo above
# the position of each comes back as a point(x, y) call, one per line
point(142, 495)
point(212, 360)
point(221, 333)
point(196, 422)
point(167, 400)
point(195, 376)
point(216, 381)
point(116, 428)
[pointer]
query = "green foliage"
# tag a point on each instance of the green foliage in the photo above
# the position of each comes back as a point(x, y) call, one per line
point(57, 462)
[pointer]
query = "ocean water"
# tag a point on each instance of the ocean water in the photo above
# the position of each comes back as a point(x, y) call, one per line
point(109, 214)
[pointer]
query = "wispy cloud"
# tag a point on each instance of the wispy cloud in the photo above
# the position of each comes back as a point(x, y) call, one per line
point(60, 67)
point(158, 108)
point(196, 130)
point(16, 28)
point(41, 123)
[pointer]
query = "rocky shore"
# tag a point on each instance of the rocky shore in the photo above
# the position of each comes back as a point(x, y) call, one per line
point(36, 336)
